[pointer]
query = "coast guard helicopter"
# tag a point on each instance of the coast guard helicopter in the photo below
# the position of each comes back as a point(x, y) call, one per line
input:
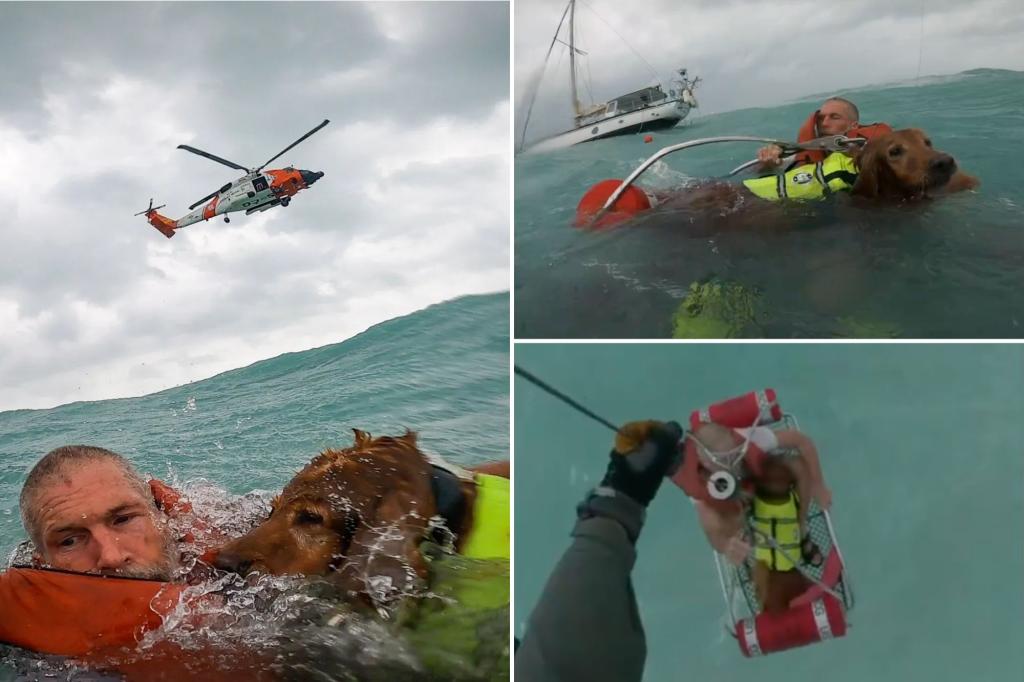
point(257, 190)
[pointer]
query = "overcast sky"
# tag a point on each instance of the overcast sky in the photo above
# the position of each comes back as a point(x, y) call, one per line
point(758, 53)
point(95, 303)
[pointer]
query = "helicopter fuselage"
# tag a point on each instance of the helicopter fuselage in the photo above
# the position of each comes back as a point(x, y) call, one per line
point(257, 190)
point(253, 192)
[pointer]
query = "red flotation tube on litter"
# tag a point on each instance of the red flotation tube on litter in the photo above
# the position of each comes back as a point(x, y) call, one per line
point(811, 622)
point(740, 412)
point(633, 201)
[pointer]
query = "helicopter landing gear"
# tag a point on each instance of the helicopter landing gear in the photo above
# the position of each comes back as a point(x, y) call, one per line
point(285, 201)
point(227, 219)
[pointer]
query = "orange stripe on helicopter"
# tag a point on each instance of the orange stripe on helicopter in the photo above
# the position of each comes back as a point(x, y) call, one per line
point(211, 208)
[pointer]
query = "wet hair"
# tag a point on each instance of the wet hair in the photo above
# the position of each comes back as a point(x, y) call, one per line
point(848, 104)
point(57, 463)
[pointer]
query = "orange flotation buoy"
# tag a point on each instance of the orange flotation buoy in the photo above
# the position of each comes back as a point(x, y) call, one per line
point(648, 139)
point(633, 201)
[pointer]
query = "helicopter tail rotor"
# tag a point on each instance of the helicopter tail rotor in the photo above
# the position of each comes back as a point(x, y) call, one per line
point(165, 225)
point(150, 209)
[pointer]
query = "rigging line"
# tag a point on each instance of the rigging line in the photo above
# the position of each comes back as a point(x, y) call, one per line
point(588, 82)
point(536, 89)
point(639, 56)
point(920, 43)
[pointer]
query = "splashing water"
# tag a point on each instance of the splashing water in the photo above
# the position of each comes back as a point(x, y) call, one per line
point(289, 627)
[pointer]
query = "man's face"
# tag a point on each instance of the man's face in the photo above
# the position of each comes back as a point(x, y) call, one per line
point(94, 521)
point(835, 118)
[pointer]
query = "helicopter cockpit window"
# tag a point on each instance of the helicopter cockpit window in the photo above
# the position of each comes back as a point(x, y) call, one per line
point(259, 184)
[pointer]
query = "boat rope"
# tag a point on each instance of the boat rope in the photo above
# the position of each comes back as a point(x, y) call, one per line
point(638, 55)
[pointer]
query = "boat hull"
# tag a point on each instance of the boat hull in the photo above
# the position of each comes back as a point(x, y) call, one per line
point(657, 117)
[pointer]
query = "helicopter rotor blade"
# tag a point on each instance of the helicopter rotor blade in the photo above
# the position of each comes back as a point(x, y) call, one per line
point(211, 157)
point(148, 209)
point(208, 196)
point(293, 144)
point(151, 208)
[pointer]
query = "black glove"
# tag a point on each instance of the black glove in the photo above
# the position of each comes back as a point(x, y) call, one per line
point(644, 454)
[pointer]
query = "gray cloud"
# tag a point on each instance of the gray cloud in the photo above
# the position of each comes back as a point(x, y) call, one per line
point(413, 208)
point(752, 53)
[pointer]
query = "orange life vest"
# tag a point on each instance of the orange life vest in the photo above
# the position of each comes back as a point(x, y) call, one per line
point(72, 614)
point(809, 131)
point(690, 478)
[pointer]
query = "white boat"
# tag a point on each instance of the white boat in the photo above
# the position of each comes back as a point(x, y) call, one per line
point(650, 108)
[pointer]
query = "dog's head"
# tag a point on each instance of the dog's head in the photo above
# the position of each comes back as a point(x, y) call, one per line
point(902, 165)
point(357, 514)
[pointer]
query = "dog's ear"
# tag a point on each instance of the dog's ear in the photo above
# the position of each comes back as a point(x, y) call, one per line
point(362, 437)
point(868, 161)
point(409, 437)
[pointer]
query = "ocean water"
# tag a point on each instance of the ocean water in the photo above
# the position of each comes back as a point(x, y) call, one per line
point(942, 269)
point(919, 444)
point(442, 371)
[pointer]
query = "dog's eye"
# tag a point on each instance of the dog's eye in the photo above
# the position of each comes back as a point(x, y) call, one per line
point(895, 152)
point(928, 143)
point(309, 518)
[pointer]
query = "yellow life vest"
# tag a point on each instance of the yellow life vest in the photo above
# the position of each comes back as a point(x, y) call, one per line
point(491, 532)
point(811, 181)
point(779, 521)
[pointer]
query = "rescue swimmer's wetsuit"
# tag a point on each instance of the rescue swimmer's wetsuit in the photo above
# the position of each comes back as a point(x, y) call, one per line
point(586, 625)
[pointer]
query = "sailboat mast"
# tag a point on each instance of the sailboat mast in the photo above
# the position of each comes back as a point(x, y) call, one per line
point(572, 58)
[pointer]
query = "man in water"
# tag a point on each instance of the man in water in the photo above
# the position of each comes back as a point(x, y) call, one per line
point(87, 510)
point(836, 116)
point(105, 561)
point(106, 569)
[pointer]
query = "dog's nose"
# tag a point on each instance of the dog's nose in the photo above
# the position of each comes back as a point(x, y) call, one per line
point(235, 563)
point(942, 163)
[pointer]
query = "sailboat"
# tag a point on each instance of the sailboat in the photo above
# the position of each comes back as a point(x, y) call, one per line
point(650, 108)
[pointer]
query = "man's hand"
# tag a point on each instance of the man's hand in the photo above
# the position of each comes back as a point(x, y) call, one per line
point(644, 453)
point(770, 155)
point(822, 495)
point(737, 549)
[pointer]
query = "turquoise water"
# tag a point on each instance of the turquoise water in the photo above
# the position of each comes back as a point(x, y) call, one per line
point(920, 445)
point(948, 268)
point(442, 371)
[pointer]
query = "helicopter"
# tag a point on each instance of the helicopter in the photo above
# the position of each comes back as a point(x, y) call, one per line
point(255, 191)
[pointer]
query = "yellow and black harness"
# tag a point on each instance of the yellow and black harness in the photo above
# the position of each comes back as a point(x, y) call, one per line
point(836, 173)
